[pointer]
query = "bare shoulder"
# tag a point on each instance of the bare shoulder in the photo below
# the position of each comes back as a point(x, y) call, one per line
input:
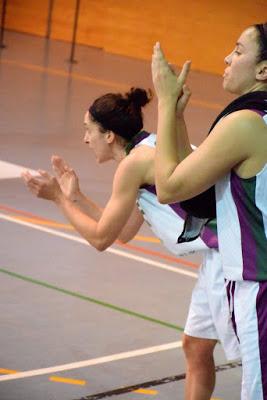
point(138, 165)
point(241, 128)
point(244, 120)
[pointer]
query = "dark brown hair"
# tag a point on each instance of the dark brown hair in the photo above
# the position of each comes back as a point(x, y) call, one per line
point(121, 114)
point(262, 40)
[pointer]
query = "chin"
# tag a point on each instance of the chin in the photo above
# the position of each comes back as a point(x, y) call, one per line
point(230, 89)
point(102, 160)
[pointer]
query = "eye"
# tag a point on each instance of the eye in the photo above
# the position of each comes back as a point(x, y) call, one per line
point(237, 51)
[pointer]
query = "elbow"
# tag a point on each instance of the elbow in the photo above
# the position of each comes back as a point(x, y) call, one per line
point(101, 246)
point(168, 193)
point(165, 197)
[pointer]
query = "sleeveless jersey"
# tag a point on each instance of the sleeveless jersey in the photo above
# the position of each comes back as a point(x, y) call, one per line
point(167, 220)
point(242, 224)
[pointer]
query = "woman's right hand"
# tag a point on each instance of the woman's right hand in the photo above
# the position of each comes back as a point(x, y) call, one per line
point(182, 101)
point(167, 85)
point(67, 178)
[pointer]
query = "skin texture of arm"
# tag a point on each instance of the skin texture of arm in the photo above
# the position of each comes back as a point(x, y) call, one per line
point(69, 184)
point(130, 175)
point(231, 145)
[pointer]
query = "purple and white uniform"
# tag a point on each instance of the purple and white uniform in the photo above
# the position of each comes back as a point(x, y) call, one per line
point(209, 313)
point(242, 231)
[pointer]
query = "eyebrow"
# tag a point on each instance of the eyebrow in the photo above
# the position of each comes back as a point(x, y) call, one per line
point(239, 44)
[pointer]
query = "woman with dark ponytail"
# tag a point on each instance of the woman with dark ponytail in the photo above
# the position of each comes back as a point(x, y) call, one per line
point(233, 160)
point(113, 131)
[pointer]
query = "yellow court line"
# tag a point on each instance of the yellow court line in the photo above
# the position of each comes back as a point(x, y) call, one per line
point(51, 378)
point(149, 239)
point(70, 227)
point(146, 391)
point(206, 104)
point(43, 222)
point(7, 371)
point(65, 74)
point(58, 72)
point(67, 380)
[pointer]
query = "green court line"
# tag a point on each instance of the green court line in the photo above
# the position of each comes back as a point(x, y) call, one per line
point(91, 300)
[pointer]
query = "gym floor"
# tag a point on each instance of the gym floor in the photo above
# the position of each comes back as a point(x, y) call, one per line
point(78, 324)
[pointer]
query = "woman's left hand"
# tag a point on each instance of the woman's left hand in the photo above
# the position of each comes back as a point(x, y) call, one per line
point(44, 186)
point(167, 85)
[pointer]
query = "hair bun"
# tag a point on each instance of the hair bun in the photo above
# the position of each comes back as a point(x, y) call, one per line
point(139, 97)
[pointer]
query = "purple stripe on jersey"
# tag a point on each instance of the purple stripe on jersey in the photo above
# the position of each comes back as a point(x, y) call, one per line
point(230, 290)
point(261, 113)
point(248, 244)
point(175, 206)
point(261, 306)
point(207, 235)
point(209, 238)
point(139, 137)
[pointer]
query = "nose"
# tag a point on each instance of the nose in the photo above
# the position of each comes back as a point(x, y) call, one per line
point(86, 138)
point(227, 59)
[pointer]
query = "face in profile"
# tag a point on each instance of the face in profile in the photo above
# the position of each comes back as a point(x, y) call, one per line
point(96, 139)
point(240, 73)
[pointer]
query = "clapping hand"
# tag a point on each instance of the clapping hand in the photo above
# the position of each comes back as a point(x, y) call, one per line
point(44, 186)
point(66, 178)
point(168, 85)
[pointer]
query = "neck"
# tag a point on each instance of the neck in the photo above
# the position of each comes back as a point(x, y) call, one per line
point(118, 153)
point(255, 87)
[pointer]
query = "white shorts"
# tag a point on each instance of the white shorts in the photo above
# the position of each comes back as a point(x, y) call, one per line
point(248, 303)
point(209, 316)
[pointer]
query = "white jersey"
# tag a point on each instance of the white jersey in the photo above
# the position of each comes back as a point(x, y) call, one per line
point(167, 221)
point(242, 225)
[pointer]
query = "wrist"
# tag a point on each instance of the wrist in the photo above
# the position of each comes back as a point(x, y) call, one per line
point(76, 197)
point(167, 102)
point(59, 198)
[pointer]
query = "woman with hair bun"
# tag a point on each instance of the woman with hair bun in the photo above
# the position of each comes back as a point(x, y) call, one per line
point(113, 131)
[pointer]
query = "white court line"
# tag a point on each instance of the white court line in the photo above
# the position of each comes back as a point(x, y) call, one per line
point(94, 361)
point(8, 170)
point(121, 253)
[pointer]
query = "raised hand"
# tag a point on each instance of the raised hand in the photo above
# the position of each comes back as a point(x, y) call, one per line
point(167, 85)
point(66, 177)
point(43, 186)
point(182, 101)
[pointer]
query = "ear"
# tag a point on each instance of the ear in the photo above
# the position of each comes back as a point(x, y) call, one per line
point(261, 71)
point(110, 137)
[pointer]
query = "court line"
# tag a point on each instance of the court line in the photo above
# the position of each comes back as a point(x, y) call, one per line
point(111, 250)
point(67, 380)
point(39, 220)
point(91, 300)
point(58, 72)
point(156, 382)
point(94, 361)
point(66, 74)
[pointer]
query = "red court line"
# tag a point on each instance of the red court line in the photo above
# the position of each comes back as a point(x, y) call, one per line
point(124, 245)
point(159, 254)
point(25, 213)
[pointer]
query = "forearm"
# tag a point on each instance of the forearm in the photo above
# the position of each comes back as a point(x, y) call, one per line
point(167, 152)
point(86, 205)
point(183, 143)
point(85, 225)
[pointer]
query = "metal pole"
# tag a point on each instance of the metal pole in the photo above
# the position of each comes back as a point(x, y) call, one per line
point(49, 18)
point(3, 18)
point(75, 25)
